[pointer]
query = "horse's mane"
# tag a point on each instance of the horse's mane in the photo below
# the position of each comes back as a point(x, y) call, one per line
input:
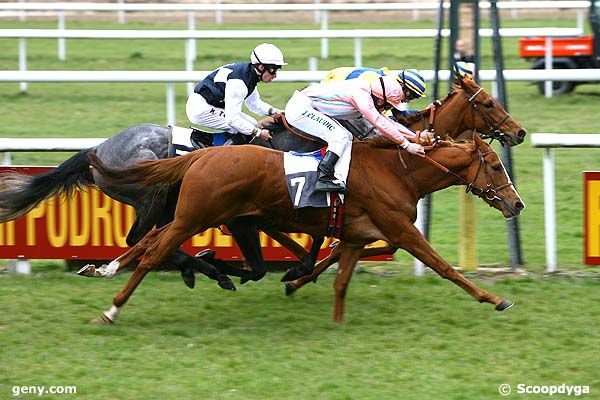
point(383, 142)
point(419, 116)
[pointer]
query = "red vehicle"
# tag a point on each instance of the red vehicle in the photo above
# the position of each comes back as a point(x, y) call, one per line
point(567, 53)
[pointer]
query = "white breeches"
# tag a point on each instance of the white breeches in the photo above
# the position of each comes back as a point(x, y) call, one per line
point(200, 112)
point(300, 113)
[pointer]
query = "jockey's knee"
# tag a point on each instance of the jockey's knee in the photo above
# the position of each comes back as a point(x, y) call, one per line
point(344, 137)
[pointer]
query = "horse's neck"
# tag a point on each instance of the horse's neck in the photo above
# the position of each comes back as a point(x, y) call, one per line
point(430, 178)
point(450, 116)
point(419, 175)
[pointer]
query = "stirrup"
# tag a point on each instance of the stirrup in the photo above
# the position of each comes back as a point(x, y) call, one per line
point(330, 186)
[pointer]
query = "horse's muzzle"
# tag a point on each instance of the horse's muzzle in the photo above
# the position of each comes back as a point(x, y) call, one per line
point(511, 211)
point(516, 138)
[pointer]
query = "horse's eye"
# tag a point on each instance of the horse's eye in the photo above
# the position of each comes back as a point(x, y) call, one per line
point(489, 104)
point(496, 167)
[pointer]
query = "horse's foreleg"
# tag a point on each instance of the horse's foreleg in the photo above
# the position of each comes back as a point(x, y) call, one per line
point(186, 262)
point(294, 247)
point(308, 263)
point(245, 232)
point(331, 259)
point(349, 256)
point(320, 267)
point(415, 243)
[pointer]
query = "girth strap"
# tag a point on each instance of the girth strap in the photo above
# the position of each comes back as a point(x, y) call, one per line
point(336, 219)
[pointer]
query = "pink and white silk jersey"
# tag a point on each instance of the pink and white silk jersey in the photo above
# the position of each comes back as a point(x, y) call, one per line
point(348, 99)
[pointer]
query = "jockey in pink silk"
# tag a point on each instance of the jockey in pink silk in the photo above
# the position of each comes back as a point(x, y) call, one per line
point(313, 110)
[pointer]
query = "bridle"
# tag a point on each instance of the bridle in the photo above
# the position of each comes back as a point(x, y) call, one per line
point(495, 133)
point(490, 192)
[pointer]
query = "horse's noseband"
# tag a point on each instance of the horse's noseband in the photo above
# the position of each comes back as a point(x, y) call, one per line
point(490, 192)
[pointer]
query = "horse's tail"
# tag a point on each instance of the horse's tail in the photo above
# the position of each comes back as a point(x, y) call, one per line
point(20, 193)
point(148, 172)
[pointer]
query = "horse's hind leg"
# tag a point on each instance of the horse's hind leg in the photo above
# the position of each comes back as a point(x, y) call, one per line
point(167, 240)
point(244, 235)
point(160, 211)
point(124, 259)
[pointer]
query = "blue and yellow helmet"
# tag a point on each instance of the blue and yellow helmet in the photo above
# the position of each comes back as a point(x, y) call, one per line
point(414, 81)
point(462, 69)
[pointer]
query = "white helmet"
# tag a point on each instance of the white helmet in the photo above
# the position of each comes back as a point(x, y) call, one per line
point(267, 54)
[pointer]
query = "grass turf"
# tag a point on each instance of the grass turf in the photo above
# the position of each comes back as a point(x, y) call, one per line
point(405, 337)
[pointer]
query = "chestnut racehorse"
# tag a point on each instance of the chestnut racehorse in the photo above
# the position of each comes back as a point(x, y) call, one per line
point(384, 184)
point(466, 107)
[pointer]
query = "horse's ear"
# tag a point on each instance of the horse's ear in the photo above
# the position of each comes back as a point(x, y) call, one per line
point(477, 140)
point(462, 81)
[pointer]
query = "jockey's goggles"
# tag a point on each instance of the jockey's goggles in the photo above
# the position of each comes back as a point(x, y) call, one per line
point(272, 68)
point(409, 94)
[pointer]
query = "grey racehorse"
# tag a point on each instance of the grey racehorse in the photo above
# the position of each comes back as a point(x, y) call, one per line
point(19, 194)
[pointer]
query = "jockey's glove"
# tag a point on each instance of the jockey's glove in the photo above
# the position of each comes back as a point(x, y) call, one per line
point(274, 111)
point(416, 149)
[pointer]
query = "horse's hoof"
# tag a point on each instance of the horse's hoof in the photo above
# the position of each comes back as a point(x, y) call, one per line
point(504, 305)
point(292, 274)
point(102, 320)
point(252, 276)
point(87, 270)
point(227, 284)
point(188, 277)
point(207, 255)
point(290, 288)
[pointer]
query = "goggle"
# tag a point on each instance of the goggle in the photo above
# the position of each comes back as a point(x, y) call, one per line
point(409, 94)
point(272, 69)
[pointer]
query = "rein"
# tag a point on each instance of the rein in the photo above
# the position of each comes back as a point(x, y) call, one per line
point(489, 193)
point(433, 107)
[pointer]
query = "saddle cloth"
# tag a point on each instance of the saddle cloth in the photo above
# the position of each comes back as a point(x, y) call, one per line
point(301, 177)
point(180, 141)
point(184, 140)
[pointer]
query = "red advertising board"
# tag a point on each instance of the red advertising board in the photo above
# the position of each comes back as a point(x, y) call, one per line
point(591, 220)
point(92, 226)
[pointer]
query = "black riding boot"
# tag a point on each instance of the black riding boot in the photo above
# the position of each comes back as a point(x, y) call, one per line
point(325, 175)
